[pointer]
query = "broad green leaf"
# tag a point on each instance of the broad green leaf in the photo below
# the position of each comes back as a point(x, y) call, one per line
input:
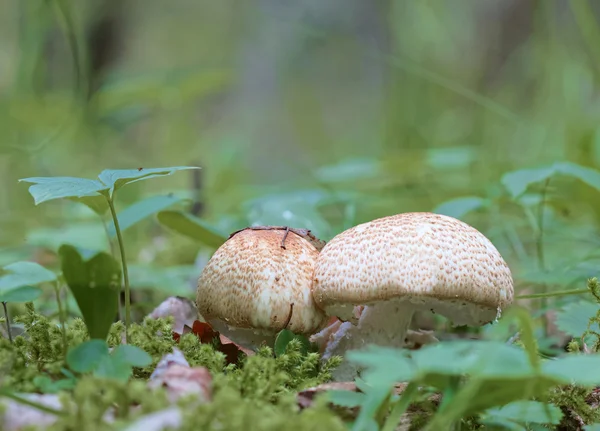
point(382, 364)
point(49, 188)
point(192, 226)
point(283, 339)
point(86, 356)
point(132, 355)
point(517, 182)
point(113, 368)
point(120, 362)
point(94, 279)
point(142, 209)
point(98, 204)
point(573, 318)
point(459, 207)
point(578, 369)
point(370, 406)
point(345, 398)
point(21, 294)
point(495, 423)
point(48, 386)
point(528, 412)
point(114, 179)
point(24, 273)
point(587, 175)
point(592, 427)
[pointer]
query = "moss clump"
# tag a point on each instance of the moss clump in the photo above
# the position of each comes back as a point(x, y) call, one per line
point(259, 390)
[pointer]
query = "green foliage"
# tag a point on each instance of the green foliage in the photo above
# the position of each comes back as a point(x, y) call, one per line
point(21, 274)
point(94, 279)
point(21, 294)
point(285, 337)
point(142, 209)
point(193, 227)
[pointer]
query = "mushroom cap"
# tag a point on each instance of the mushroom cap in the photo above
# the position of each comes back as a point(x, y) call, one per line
point(436, 262)
point(251, 282)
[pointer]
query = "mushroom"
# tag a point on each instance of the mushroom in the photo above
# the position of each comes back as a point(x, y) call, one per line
point(399, 264)
point(258, 283)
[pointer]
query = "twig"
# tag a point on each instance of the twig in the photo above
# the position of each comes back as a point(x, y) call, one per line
point(287, 230)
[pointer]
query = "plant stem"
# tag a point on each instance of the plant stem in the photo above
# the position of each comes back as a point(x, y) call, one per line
point(400, 407)
point(112, 251)
point(61, 318)
point(124, 264)
point(540, 252)
point(549, 294)
point(7, 321)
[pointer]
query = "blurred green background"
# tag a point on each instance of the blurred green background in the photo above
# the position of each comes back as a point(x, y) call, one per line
point(309, 113)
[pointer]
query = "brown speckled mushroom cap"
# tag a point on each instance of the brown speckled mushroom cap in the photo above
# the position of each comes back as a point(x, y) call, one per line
point(251, 281)
point(436, 262)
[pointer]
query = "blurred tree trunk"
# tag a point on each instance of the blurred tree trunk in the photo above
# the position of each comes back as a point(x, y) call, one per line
point(300, 45)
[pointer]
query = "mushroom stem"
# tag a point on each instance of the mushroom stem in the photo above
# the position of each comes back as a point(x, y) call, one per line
point(384, 324)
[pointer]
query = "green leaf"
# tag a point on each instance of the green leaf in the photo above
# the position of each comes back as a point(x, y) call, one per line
point(132, 355)
point(382, 364)
point(142, 209)
point(592, 427)
point(49, 188)
point(528, 412)
point(98, 204)
point(283, 339)
point(517, 182)
point(119, 364)
point(24, 273)
point(86, 356)
point(113, 368)
point(21, 294)
point(578, 369)
point(573, 318)
point(373, 401)
point(94, 279)
point(48, 386)
point(587, 175)
point(459, 207)
point(114, 179)
point(499, 423)
point(345, 398)
point(193, 227)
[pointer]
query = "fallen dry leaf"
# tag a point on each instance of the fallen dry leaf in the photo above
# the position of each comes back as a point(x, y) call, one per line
point(206, 334)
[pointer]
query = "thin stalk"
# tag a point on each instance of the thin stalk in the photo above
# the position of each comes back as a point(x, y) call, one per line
point(540, 252)
point(25, 401)
point(400, 407)
point(112, 251)
point(551, 294)
point(61, 318)
point(113, 213)
point(7, 321)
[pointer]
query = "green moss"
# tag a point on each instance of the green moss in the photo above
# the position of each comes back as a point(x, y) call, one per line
point(260, 390)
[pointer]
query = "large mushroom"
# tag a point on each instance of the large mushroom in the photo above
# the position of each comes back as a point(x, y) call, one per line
point(403, 263)
point(258, 283)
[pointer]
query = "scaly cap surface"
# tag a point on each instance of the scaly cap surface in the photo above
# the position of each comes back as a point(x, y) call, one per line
point(251, 281)
point(435, 261)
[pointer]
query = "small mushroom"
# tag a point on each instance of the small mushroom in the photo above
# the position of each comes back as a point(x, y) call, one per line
point(258, 283)
point(402, 263)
